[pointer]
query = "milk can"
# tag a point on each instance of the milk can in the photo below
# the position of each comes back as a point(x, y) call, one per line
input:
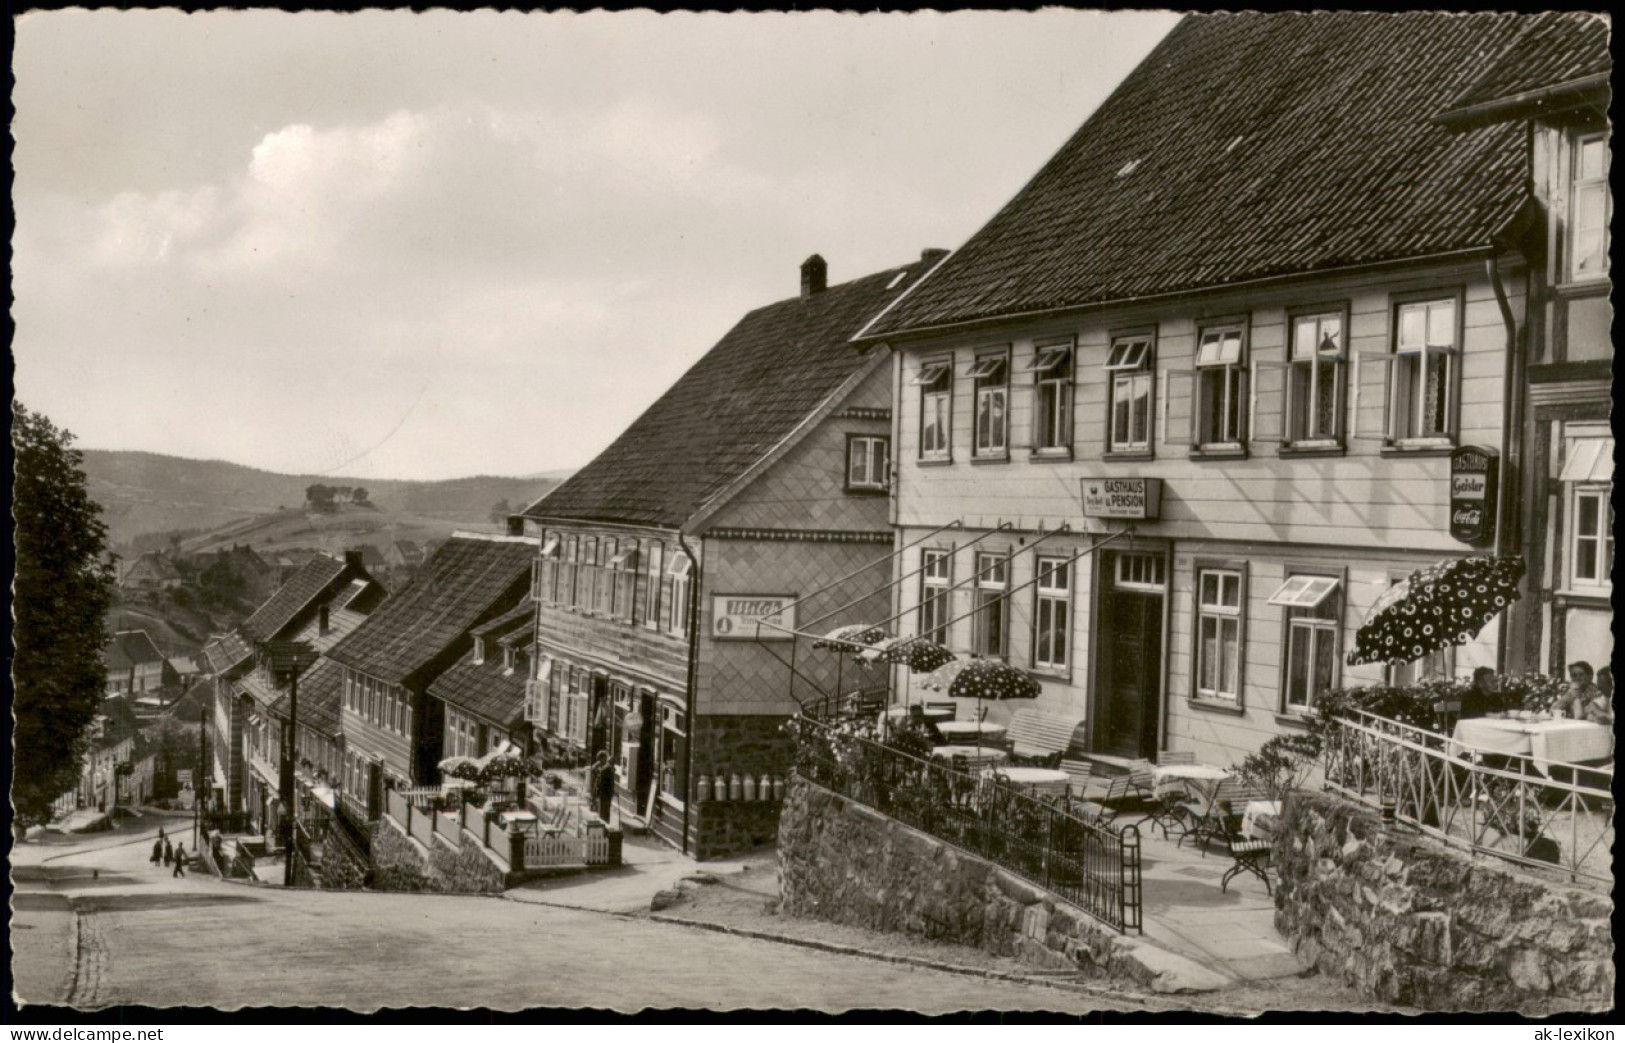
point(778, 787)
point(750, 786)
point(736, 787)
point(719, 789)
point(702, 788)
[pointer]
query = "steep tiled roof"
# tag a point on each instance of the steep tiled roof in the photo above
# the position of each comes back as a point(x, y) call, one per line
point(321, 690)
point(225, 651)
point(1247, 146)
point(469, 579)
point(1552, 50)
point(293, 597)
point(483, 689)
point(197, 698)
point(129, 648)
point(735, 404)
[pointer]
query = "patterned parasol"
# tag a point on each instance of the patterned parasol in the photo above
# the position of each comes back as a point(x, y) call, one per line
point(854, 637)
point(461, 768)
point(981, 679)
point(919, 654)
point(1435, 607)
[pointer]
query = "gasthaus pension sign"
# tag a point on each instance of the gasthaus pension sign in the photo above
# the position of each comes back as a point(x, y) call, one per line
point(734, 617)
point(1137, 499)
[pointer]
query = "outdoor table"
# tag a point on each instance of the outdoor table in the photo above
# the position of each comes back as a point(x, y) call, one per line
point(978, 757)
point(898, 714)
point(1259, 813)
point(969, 731)
point(1048, 782)
point(525, 819)
point(1197, 779)
point(1544, 742)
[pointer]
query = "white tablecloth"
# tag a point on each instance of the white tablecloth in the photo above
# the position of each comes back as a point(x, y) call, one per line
point(900, 713)
point(1257, 813)
point(1197, 779)
point(1560, 741)
point(1047, 781)
point(967, 731)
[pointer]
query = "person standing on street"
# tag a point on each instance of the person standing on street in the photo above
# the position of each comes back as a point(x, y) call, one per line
point(180, 860)
point(157, 851)
point(169, 852)
point(603, 785)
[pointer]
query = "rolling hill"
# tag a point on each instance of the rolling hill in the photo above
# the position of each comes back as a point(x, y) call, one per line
point(219, 502)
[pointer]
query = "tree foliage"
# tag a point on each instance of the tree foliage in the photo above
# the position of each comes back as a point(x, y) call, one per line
point(63, 589)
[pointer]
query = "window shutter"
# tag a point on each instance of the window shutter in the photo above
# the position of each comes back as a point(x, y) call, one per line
point(1268, 401)
point(1373, 415)
point(1177, 407)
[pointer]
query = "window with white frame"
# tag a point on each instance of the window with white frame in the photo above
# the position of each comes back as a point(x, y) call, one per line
point(1312, 615)
point(673, 751)
point(1315, 378)
point(936, 383)
point(991, 379)
point(1591, 206)
point(680, 578)
point(936, 573)
point(1052, 615)
point(603, 590)
point(545, 587)
point(1129, 368)
point(868, 463)
point(1591, 553)
point(654, 560)
point(586, 574)
point(556, 681)
point(1052, 398)
point(1422, 387)
point(990, 622)
point(622, 580)
point(1141, 572)
point(1218, 667)
point(1220, 387)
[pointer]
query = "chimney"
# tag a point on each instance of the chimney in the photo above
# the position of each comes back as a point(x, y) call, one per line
point(352, 559)
point(814, 276)
point(931, 255)
point(516, 525)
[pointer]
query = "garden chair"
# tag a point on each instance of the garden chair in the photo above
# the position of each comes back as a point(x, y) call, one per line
point(1120, 796)
point(1079, 774)
point(1176, 757)
point(1445, 713)
point(1247, 856)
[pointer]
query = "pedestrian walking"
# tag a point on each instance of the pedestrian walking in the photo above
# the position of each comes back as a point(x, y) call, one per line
point(180, 860)
point(157, 851)
point(169, 852)
point(603, 785)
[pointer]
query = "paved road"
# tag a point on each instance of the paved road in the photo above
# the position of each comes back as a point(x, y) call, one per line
point(146, 938)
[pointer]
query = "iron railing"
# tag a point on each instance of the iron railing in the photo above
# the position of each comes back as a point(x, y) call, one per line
point(1535, 814)
point(1084, 863)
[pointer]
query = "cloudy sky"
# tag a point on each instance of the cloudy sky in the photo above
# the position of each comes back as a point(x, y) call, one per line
point(418, 246)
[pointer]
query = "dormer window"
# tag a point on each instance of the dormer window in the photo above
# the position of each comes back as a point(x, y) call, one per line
point(507, 659)
point(479, 651)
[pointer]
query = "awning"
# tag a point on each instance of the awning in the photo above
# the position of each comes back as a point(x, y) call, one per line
point(1589, 460)
point(1303, 591)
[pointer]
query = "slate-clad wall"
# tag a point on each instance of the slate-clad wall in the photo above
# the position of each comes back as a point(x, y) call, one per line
point(1405, 919)
point(743, 676)
point(745, 744)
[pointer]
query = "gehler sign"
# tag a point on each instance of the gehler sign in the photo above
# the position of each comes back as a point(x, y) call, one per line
point(734, 616)
point(1136, 499)
point(1474, 473)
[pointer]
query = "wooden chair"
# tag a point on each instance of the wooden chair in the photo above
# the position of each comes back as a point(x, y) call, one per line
point(1079, 774)
point(1445, 714)
point(1120, 796)
point(1247, 856)
point(1035, 735)
point(950, 707)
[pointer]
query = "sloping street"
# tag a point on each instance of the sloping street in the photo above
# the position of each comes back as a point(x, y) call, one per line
point(144, 937)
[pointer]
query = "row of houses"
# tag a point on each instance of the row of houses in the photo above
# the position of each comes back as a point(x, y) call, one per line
point(1308, 303)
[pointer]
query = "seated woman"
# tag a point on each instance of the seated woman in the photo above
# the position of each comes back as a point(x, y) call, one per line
point(1584, 701)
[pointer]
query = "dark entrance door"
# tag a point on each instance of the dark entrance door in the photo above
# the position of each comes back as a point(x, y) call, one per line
point(1130, 657)
point(645, 766)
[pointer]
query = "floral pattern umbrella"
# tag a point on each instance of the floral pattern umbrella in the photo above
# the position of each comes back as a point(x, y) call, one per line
point(461, 768)
point(854, 637)
point(1432, 608)
point(921, 655)
point(982, 679)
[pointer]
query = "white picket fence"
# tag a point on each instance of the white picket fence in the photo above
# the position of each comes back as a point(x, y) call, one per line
point(559, 850)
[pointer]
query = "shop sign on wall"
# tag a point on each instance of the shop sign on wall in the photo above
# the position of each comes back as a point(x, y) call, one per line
point(1473, 477)
point(734, 617)
point(1137, 499)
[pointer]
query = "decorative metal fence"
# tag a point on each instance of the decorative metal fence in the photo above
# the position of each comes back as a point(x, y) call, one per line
point(1535, 814)
point(1084, 863)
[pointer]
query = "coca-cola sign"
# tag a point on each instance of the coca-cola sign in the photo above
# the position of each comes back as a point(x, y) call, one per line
point(1473, 477)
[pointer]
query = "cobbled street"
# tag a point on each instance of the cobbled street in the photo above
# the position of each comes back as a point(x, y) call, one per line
point(98, 926)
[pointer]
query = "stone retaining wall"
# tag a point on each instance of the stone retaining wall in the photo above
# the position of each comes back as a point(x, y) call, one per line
point(1406, 919)
point(843, 862)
